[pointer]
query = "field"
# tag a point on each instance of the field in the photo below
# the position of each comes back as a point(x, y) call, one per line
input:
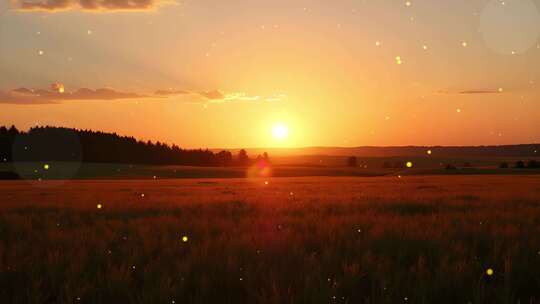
point(408, 239)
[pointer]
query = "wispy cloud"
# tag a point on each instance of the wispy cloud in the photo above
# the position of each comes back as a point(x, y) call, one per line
point(217, 96)
point(212, 95)
point(88, 5)
point(58, 93)
point(171, 92)
point(479, 92)
point(472, 91)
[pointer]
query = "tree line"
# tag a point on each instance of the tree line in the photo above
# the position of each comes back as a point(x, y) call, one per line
point(66, 144)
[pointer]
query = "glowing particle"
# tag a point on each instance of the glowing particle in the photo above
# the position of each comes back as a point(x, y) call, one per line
point(464, 44)
point(266, 182)
point(489, 272)
point(500, 90)
point(429, 152)
point(408, 3)
point(99, 206)
point(398, 60)
point(133, 267)
point(399, 176)
point(185, 239)
point(142, 195)
point(89, 32)
point(425, 47)
point(377, 43)
point(458, 110)
point(291, 194)
point(409, 164)
point(40, 52)
point(46, 166)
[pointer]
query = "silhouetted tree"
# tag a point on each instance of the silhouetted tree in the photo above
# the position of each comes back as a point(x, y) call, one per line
point(504, 165)
point(224, 158)
point(533, 164)
point(520, 164)
point(243, 158)
point(450, 167)
point(352, 161)
point(63, 144)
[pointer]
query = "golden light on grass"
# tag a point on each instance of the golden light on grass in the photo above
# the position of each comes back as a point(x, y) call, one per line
point(409, 164)
point(280, 131)
point(99, 206)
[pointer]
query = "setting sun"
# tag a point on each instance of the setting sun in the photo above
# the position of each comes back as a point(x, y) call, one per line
point(280, 131)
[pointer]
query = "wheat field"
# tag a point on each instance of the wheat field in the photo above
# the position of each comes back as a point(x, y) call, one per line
point(414, 239)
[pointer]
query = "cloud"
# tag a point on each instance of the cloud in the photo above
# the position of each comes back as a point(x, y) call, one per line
point(57, 93)
point(88, 5)
point(472, 91)
point(171, 92)
point(21, 98)
point(213, 95)
point(479, 92)
point(217, 96)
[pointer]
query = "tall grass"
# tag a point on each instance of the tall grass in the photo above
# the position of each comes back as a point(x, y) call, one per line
point(298, 240)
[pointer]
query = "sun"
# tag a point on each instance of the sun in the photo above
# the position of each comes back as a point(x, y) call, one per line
point(280, 131)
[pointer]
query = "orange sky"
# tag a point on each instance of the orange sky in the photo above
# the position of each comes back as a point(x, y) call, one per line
point(222, 74)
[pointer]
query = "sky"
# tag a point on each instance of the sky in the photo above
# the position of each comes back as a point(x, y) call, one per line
point(228, 74)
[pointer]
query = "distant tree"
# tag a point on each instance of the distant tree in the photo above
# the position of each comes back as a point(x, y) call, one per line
point(533, 164)
point(387, 165)
point(450, 167)
point(266, 157)
point(520, 164)
point(503, 165)
point(243, 158)
point(224, 158)
point(399, 165)
point(57, 144)
point(352, 161)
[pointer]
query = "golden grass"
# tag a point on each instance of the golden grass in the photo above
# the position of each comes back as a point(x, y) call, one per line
point(429, 239)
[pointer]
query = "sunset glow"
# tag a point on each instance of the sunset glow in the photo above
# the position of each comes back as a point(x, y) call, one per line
point(280, 131)
point(171, 66)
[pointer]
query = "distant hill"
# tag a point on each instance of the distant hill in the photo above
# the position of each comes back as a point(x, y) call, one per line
point(65, 144)
point(525, 150)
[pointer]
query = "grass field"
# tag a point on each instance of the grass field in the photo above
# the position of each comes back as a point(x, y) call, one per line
point(414, 239)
